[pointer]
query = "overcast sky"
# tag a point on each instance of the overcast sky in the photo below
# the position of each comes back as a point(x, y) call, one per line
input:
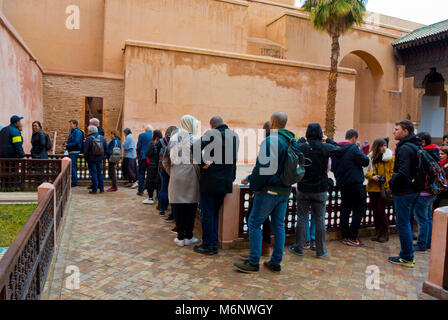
point(426, 12)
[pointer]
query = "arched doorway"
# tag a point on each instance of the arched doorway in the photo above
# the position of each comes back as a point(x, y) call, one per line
point(433, 107)
point(368, 110)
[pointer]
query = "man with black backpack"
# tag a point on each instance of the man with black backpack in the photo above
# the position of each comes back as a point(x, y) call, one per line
point(95, 147)
point(405, 188)
point(276, 170)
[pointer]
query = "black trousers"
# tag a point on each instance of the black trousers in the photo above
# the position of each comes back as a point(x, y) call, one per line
point(185, 214)
point(353, 199)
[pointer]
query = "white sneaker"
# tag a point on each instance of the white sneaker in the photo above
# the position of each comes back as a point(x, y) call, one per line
point(180, 243)
point(189, 242)
point(135, 185)
point(148, 201)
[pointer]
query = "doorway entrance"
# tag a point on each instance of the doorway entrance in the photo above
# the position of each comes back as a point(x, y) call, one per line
point(433, 110)
point(93, 109)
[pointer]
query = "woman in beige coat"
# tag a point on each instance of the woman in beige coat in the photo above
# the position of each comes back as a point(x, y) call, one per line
point(183, 189)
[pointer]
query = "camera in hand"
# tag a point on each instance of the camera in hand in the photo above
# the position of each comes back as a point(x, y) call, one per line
point(382, 180)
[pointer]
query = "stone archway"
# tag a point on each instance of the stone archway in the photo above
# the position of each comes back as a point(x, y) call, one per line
point(368, 110)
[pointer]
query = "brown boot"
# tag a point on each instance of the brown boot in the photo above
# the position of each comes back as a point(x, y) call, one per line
point(384, 236)
point(266, 249)
point(376, 236)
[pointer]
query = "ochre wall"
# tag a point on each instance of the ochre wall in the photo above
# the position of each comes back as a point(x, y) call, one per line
point(211, 24)
point(244, 92)
point(42, 23)
point(20, 82)
point(64, 100)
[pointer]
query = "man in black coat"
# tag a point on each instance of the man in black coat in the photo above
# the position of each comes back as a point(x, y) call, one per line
point(404, 190)
point(348, 170)
point(95, 148)
point(217, 151)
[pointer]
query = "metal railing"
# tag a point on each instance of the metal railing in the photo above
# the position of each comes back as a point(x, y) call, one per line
point(24, 267)
point(332, 216)
point(83, 170)
point(27, 174)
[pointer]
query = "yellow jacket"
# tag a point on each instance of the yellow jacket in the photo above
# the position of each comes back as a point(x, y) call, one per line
point(384, 168)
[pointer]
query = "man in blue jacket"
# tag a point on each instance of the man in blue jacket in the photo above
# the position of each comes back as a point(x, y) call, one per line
point(11, 140)
point(142, 148)
point(74, 147)
point(272, 195)
point(95, 148)
point(348, 170)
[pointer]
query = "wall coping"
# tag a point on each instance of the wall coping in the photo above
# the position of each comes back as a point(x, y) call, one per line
point(13, 32)
point(305, 16)
point(83, 74)
point(233, 55)
point(384, 25)
point(243, 3)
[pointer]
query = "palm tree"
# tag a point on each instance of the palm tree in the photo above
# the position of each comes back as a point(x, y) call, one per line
point(335, 17)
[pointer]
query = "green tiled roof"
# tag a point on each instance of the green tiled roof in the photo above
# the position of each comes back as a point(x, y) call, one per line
point(423, 32)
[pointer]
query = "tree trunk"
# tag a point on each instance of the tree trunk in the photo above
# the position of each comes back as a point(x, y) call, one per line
point(330, 127)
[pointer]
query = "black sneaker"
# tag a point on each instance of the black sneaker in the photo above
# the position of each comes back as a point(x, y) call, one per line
point(402, 262)
point(174, 230)
point(272, 267)
point(170, 218)
point(313, 245)
point(162, 213)
point(92, 192)
point(247, 267)
point(205, 251)
point(296, 251)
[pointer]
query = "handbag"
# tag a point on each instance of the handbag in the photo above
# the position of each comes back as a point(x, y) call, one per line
point(386, 194)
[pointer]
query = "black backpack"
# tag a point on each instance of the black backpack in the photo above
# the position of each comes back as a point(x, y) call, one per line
point(430, 176)
point(97, 146)
point(48, 143)
point(294, 168)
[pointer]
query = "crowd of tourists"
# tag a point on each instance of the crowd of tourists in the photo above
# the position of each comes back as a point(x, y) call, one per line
point(414, 179)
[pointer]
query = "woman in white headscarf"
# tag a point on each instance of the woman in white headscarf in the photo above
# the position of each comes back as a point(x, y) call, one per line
point(183, 189)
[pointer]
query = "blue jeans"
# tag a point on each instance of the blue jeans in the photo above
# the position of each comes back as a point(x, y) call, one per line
point(74, 157)
point(404, 207)
point(210, 203)
point(163, 195)
point(142, 167)
point(423, 214)
point(96, 174)
point(311, 228)
point(265, 205)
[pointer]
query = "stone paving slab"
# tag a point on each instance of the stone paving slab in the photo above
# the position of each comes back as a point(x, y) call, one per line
point(124, 250)
point(18, 197)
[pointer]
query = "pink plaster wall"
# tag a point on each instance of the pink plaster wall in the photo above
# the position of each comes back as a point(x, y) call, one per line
point(20, 81)
point(244, 92)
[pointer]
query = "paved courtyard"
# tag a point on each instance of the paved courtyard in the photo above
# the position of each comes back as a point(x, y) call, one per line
point(124, 250)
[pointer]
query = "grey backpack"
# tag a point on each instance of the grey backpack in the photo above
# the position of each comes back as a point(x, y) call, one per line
point(115, 157)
